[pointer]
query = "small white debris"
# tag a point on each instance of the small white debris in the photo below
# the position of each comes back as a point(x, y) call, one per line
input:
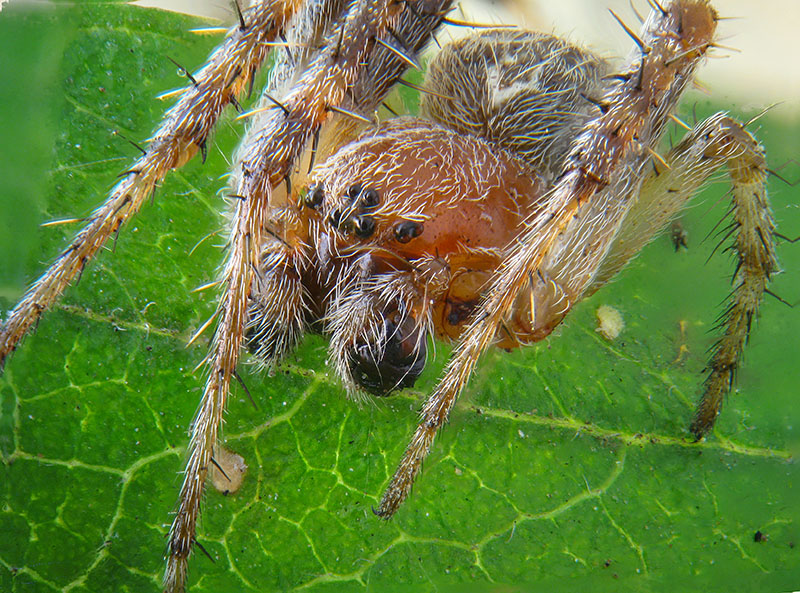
point(609, 322)
point(234, 468)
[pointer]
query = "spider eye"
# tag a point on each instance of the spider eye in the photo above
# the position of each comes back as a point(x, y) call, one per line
point(354, 191)
point(405, 231)
point(364, 226)
point(314, 197)
point(335, 219)
point(370, 198)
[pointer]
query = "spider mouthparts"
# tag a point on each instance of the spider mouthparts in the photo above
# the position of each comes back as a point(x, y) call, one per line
point(393, 364)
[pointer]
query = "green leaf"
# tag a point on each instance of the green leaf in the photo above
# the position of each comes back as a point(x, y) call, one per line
point(567, 464)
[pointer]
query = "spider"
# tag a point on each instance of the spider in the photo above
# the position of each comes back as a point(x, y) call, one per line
point(384, 235)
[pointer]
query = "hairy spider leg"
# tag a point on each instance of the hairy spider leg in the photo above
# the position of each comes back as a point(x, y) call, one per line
point(267, 156)
point(603, 166)
point(185, 130)
point(717, 141)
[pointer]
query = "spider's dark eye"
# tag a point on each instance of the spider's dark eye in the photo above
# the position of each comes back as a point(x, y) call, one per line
point(335, 219)
point(405, 231)
point(364, 226)
point(404, 351)
point(354, 191)
point(314, 197)
point(370, 198)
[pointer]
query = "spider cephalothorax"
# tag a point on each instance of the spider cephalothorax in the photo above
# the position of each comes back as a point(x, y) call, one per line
point(531, 178)
point(406, 224)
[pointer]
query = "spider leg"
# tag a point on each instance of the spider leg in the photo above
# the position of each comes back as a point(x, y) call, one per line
point(184, 130)
point(602, 170)
point(278, 301)
point(717, 141)
point(266, 158)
